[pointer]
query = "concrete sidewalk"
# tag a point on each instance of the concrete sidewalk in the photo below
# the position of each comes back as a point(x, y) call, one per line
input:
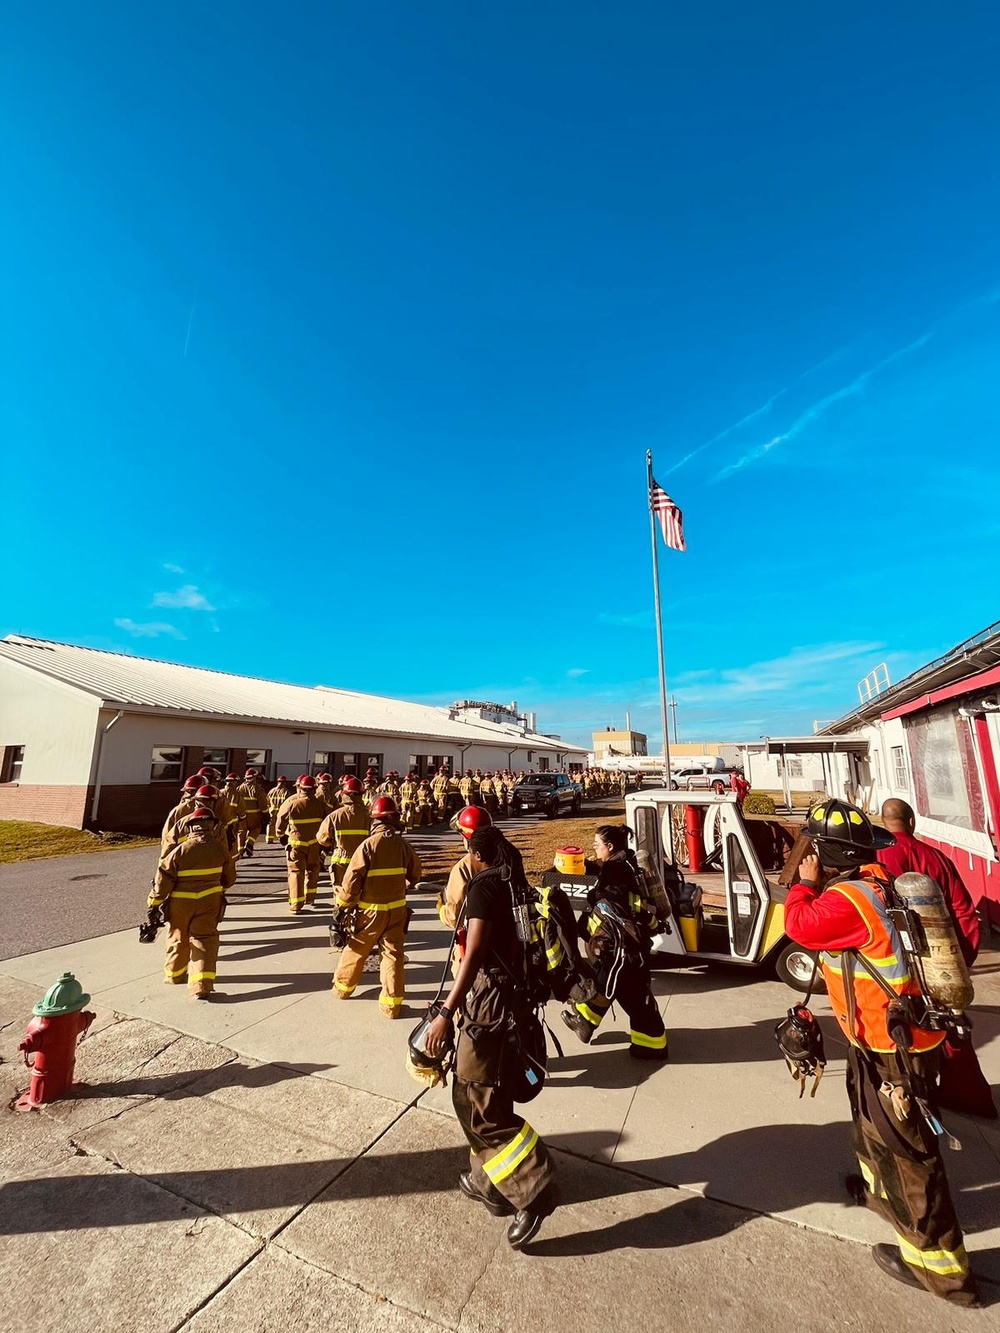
point(264, 1162)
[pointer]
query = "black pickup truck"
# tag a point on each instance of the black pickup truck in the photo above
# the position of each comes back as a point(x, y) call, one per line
point(547, 793)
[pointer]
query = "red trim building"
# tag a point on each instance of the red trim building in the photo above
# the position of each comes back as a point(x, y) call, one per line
point(934, 740)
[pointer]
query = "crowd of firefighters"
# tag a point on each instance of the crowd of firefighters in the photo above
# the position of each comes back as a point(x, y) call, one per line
point(839, 906)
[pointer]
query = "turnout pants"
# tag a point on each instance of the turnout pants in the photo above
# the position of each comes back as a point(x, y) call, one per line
point(382, 929)
point(508, 1157)
point(193, 942)
point(272, 826)
point(250, 831)
point(904, 1173)
point(303, 875)
point(647, 1034)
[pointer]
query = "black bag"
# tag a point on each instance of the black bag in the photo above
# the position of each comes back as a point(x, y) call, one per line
point(525, 1060)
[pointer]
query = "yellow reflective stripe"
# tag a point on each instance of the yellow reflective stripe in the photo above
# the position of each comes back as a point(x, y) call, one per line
point(593, 924)
point(349, 832)
point(381, 907)
point(589, 1014)
point(945, 1263)
point(869, 1178)
point(200, 976)
point(509, 1158)
point(208, 870)
point(345, 990)
point(199, 893)
point(394, 1000)
point(180, 972)
point(297, 823)
point(393, 870)
point(654, 1043)
point(555, 955)
point(297, 842)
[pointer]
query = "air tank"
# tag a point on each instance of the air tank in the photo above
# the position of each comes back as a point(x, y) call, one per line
point(945, 974)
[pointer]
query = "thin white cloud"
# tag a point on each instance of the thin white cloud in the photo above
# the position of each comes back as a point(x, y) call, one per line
point(763, 410)
point(150, 630)
point(818, 409)
point(575, 672)
point(173, 569)
point(187, 598)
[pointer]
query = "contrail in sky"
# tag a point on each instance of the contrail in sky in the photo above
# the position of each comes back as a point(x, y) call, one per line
point(187, 340)
point(856, 386)
point(759, 411)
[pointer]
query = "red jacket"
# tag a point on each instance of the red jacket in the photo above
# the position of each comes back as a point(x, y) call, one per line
point(911, 854)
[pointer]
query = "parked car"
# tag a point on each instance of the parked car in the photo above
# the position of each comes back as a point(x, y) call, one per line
point(701, 779)
point(547, 793)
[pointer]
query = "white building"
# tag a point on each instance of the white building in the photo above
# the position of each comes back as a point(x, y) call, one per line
point(104, 740)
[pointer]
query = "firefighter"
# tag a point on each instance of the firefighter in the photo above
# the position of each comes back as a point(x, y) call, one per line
point(453, 896)
point(371, 905)
point(511, 1172)
point(840, 905)
point(189, 888)
point(174, 829)
point(235, 810)
point(327, 791)
point(408, 800)
point(300, 818)
point(276, 798)
point(390, 787)
point(370, 791)
point(466, 788)
point(618, 946)
point(342, 832)
point(455, 802)
point(500, 794)
point(255, 808)
point(439, 790)
point(425, 804)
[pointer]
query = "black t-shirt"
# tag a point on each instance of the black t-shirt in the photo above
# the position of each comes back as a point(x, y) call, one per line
point(489, 899)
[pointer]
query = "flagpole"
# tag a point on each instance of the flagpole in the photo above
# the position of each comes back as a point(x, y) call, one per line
point(659, 618)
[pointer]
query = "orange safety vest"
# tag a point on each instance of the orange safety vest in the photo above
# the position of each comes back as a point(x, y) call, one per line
point(885, 954)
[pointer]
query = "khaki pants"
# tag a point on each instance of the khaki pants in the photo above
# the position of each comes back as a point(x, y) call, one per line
point(382, 930)
point(250, 831)
point(303, 875)
point(193, 942)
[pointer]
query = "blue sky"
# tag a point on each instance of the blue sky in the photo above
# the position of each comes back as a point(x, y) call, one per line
point(335, 336)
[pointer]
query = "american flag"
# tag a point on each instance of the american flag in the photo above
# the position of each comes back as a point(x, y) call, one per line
point(671, 518)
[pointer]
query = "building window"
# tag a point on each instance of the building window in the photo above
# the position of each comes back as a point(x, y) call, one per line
point(900, 781)
point(794, 765)
point(259, 759)
point(426, 765)
point(165, 765)
point(215, 759)
point(945, 777)
point(13, 759)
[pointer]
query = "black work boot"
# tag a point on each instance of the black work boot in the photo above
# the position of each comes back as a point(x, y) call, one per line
point(493, 1200)
point(577, 1023)
point(527, 1221)
point(892, 1262)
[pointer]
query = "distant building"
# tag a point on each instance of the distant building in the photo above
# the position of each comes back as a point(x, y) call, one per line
point(613, 744)
point(98, 739)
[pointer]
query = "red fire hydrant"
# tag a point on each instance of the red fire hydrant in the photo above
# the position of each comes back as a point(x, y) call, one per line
point(60, 1021)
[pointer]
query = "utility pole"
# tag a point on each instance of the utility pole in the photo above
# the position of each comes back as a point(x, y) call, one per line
point(673, 713)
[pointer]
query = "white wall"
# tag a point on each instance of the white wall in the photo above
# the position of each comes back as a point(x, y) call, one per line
point(129, 745)
point(55, 723)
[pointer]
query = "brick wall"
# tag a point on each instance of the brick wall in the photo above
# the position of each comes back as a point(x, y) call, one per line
point(136, 807)
point(65, 806)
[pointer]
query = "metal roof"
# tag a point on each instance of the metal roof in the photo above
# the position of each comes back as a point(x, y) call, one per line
point(969, 658)
point(815, 744)
point(140, 684)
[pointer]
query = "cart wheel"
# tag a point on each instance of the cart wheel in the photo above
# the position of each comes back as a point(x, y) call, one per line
point(679, 835)
point(794, 965)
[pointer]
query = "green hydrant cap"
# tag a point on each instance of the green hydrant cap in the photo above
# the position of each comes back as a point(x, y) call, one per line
point(65, 997)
